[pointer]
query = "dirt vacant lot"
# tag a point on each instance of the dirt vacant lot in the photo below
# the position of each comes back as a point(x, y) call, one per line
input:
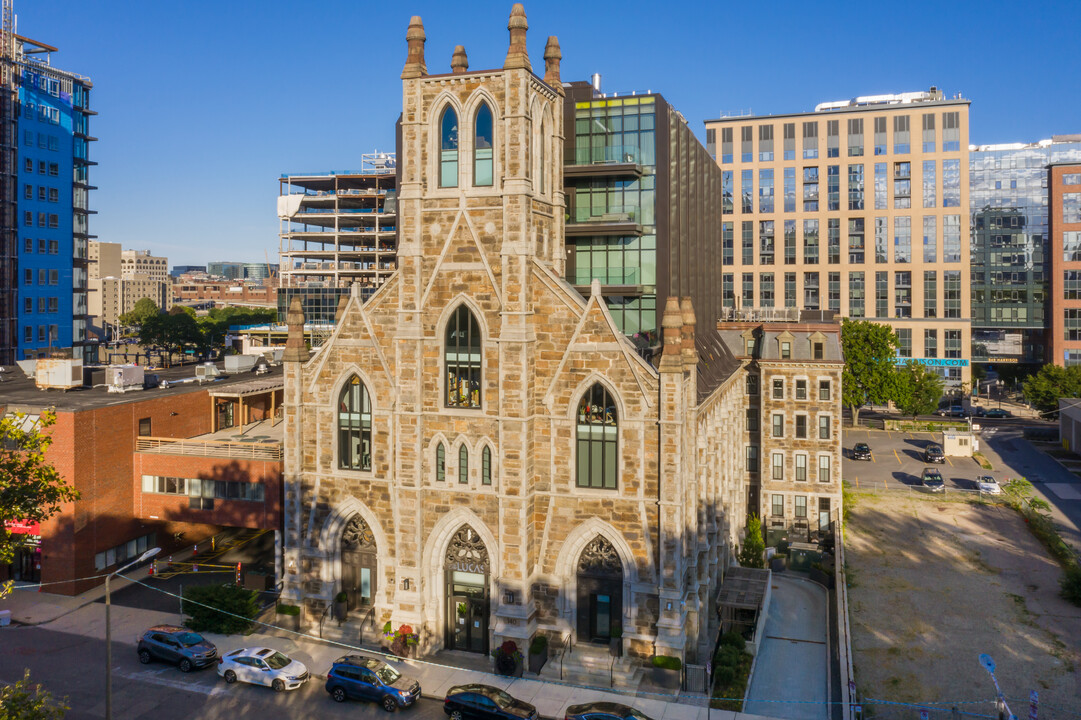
point(934, 583)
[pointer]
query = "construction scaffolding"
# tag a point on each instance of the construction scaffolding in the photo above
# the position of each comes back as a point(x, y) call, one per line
point(9, 229)
point(337, 229)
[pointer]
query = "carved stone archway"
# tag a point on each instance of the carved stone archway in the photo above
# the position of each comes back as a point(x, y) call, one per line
point(360, 563)
point(600, 591)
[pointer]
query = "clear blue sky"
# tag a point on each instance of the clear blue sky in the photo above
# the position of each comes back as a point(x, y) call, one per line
point(202, 105)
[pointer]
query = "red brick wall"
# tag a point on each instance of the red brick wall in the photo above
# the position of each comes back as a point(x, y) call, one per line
point(1056, 227)
point(233, 513)
point(93, 450)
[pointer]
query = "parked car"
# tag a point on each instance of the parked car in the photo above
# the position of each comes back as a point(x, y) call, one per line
point(353, 677)
point(980, 411)
point(177, 645)
point(933, 454)
point(998, 413)
point(487, 702)
point(932, 480)
point(262, 666)
point(861, 451)
point(604, 711)
point(988, 484)
point(953, 411)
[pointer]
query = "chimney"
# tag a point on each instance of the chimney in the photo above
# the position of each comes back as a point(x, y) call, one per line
point(414, 59)
point(672, 332)
point(459, 63)
point(517, 56)
point(552, 56)
point(686, 311)
point(295, 351)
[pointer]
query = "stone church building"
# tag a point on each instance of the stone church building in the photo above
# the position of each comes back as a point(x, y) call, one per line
point(477, 451)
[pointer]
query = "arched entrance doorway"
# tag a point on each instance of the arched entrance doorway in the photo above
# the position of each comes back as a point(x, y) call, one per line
point(359, 563)
point(467, 570)
point(600, 591)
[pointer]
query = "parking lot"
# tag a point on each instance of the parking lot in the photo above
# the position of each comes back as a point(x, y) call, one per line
point(897, 461)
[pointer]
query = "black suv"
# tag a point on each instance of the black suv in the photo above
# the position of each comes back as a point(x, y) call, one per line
point(933, 454)
point(603, 711)
point(487, 702)
point(862, 451)
point(177, 645)
point(362, 678)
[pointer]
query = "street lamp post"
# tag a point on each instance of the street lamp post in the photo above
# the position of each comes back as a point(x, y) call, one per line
point(109, 630)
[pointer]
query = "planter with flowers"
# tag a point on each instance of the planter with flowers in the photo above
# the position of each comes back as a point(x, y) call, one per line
point(508, 659)
point(401, 642)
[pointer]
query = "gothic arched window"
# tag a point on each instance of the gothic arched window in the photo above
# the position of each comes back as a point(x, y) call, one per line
point(463, 358)
point(597, 433)
point(463, 464)
point(482, 146)
point(448, 148)
point(440, 463)
point(354, 426)
point(486, 466)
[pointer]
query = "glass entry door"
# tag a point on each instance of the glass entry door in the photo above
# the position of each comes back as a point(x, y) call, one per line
point(467, 618)
point(358, 579)
point(600, 617)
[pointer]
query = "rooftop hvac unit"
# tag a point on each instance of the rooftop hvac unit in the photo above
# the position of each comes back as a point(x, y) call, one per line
point(123, 378)
point(240, 363)
point(207, 372)
point(59, 373)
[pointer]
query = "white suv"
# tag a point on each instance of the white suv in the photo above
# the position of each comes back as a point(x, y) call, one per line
point(262, 666)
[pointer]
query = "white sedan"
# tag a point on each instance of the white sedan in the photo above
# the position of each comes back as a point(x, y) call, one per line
point(987, 484)
point(262, 666)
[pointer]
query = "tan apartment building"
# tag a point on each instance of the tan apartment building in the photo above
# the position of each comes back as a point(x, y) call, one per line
point(1064, 227)
point(861, 208)
point(792, 417)
point(120, 278)
point(141, 262)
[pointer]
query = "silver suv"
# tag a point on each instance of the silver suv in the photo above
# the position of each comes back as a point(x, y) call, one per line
point(176, 645)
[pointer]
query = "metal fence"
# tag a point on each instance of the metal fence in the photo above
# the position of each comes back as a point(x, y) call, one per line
point(695, 678)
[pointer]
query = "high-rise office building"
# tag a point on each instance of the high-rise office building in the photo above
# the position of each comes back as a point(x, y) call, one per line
point(817, 218)
point(1011, 257)
point(1064, 226)
point(47, 305)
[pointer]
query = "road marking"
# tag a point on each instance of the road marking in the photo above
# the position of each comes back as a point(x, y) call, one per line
point(897, 456)
point(873, 458)
point(949, 461)
point(1064, 491)
point(155, 677)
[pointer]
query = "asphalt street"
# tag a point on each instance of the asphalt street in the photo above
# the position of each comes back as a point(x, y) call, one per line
point(898, 463)
point(73, 666)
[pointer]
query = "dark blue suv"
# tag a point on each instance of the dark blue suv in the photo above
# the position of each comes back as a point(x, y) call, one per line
point(361, 678)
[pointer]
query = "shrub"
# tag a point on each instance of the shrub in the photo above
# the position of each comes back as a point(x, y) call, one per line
point(341, 597)
point(782, 547)
point(667, 662)
point(724, 674)
point(284, 609)
point(539, 646)
point(754, 547)
point(727, 656)
point(733, 639)
point(225, 609)
point(1071, 584)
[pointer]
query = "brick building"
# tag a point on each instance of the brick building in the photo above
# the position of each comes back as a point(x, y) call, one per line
point(224, 293)
point(1064, 228)
point(137, 459)
point(478, 451)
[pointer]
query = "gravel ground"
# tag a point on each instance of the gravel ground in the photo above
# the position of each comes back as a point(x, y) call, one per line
point(934, 583)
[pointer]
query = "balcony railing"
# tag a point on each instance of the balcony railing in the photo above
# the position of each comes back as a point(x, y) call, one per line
point(611, 155)
point(210, 448)
point(624, 276)
point(610, 214)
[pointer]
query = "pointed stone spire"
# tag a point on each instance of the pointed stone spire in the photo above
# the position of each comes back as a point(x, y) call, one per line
point(459, 63)
point(295, 350)
point(517, 56)
point(414, 59)
point(552, 56)
point(672, 336)
point(689, 352)
point(343, 301)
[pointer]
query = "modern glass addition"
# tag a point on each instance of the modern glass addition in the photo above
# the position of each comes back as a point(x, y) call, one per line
point(354, 426)
point(597, 440)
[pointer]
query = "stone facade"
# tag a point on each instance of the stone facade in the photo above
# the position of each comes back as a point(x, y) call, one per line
point(477, 527)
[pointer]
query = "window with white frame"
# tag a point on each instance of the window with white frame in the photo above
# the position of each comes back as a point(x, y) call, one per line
point(778, 388)
point(824, 427)
point(778, 466)
point(824, 468)
point(801, 468)
point(778, 425)
point(777, 509)
point(801, 389)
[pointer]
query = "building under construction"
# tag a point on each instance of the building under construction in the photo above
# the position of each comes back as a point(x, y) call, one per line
point(337, 229)
point(44, 199)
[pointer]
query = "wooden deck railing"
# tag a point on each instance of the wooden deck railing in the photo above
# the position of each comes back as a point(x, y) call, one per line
point(209, 448)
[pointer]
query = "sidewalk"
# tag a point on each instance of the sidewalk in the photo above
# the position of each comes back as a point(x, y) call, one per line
point(81, 615)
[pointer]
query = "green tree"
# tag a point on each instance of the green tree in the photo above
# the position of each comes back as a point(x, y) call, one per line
point(917, 389)
point(27, 701)
point(869, 376)
point(1052, 382)
point(753, 552)
point(31, 489)
point(225, 609)
point(144, 310)
point(217, 322)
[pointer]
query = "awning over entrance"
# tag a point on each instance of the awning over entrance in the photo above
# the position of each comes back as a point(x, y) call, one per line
point(742, 598)
point(23, 527)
